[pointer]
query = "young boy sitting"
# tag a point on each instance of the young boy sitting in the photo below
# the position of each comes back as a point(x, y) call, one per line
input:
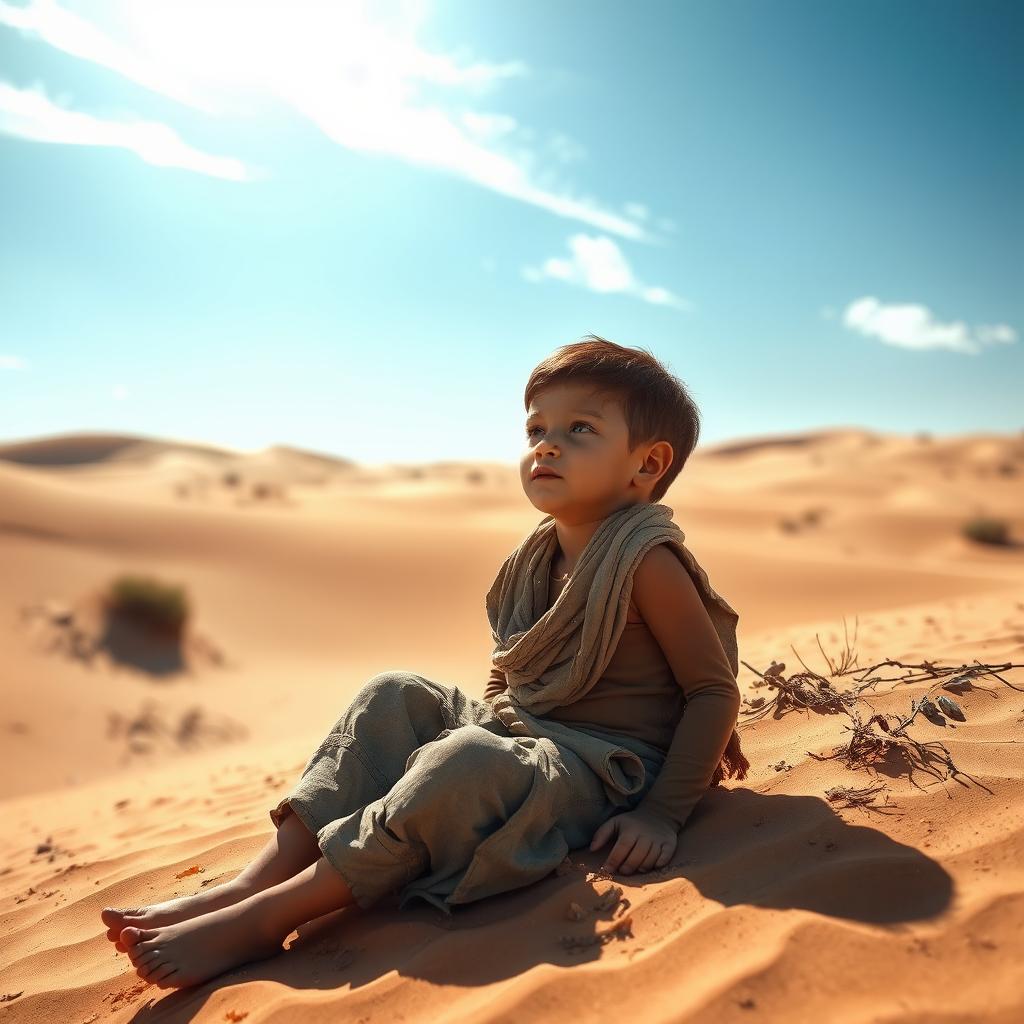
point(608, 429)
point(610, 709)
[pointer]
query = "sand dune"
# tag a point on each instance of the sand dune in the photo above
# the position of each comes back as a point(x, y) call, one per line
point(307, 573)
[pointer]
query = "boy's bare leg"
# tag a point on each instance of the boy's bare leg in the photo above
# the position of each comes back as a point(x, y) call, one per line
point(290, 849)
point(190, 952)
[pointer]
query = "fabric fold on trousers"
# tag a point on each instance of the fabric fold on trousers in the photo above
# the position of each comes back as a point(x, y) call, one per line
point(422, 791)
point(617, 761)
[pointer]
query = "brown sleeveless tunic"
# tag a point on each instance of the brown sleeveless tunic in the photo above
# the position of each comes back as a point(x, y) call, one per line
point(638, 695)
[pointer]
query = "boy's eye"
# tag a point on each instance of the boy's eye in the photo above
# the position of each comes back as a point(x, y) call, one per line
point(578, 423)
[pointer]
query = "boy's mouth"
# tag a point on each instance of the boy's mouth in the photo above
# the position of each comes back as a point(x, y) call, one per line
point(544, 473)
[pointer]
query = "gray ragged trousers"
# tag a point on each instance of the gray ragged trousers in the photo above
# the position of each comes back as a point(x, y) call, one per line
point(418, 788)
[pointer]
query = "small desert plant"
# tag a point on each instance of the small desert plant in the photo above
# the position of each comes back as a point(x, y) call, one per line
point(231, 479)
point(986, 530)
point(145, 601)
point(263, 490)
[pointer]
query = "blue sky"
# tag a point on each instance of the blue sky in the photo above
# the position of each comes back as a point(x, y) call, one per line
point(356, 229)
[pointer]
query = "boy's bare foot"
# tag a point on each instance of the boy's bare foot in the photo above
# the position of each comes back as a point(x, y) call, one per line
point(190, 952)
point(172, 911)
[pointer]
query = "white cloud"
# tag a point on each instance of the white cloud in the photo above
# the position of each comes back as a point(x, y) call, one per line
point(359, 79)
point(12, 363)
point(637, 210)
point(598, 265)
point(66, 31)
point(487, 127)
point(29, 114)
point(916, 327)
point(995, 334)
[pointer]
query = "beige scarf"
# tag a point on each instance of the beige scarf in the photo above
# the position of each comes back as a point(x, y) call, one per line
point(553, 656)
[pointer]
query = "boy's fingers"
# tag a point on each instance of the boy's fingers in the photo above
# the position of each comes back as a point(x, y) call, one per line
point(606, 830)
point(637, 855)
point(619, 851)
point(653, 858)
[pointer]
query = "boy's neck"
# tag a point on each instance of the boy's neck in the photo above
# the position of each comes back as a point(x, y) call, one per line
point(573, 538)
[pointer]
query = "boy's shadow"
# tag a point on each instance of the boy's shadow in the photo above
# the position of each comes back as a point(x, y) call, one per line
point(739, 847)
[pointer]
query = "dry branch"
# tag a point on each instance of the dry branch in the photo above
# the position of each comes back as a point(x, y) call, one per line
point(881, 735)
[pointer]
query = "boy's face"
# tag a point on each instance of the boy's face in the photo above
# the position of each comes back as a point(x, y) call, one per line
point(585, 439)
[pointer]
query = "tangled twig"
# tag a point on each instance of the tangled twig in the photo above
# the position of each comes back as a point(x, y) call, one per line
point(866, 747)
point(803, 690)
point(810, 690)
point(864, 797)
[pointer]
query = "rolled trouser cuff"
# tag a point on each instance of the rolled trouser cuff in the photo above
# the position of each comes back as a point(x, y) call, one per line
point(294, 805)
point(371, 859)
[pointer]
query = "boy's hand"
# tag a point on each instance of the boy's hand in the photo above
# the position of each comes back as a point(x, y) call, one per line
point(644, 842)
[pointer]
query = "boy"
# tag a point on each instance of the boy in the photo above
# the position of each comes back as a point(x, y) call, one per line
point(605, 629)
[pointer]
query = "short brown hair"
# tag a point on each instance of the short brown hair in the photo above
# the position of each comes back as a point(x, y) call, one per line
point(655, 404)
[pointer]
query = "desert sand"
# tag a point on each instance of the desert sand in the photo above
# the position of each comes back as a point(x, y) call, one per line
point(128, 778)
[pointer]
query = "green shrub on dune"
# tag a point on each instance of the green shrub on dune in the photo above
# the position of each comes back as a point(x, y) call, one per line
point(986, 530)
point(145, 601)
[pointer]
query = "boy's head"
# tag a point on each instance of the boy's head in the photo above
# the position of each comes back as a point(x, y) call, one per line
point(645, 428)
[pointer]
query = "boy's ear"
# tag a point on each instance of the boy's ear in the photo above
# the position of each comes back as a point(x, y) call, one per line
point(658, 459)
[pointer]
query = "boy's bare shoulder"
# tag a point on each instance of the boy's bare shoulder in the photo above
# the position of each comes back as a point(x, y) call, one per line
point(668, 599)
point(653, 576)
point(662, 575)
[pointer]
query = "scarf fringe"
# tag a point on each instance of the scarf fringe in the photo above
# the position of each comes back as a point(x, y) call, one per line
point(734, 763)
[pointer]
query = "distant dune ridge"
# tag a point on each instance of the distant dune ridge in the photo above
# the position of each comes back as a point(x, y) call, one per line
point(80, 449)
point(307, 573)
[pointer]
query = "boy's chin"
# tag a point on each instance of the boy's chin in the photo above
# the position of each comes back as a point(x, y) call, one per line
point(545, 502)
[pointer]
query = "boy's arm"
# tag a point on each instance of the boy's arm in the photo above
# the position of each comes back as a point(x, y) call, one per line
point(667, 599)
point(496, 684)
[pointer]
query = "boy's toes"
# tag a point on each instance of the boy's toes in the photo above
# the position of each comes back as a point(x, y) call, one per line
point(148, 965)
point(162, 977)
point(116, 922)
point(131, 937)
point(113, 918)
point(110, 917)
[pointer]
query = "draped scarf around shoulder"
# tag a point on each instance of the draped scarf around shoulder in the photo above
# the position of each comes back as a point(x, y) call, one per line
point(553, 656)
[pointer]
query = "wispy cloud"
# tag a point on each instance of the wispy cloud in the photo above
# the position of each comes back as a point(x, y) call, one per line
point(597, 264)
point(363, 81)
point(8, 362)
point(66, 31)
point(916, 327)
point(30, 114)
